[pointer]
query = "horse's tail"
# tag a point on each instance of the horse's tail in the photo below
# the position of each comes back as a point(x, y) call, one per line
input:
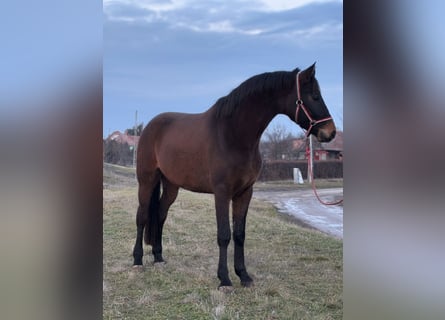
point(152, 222)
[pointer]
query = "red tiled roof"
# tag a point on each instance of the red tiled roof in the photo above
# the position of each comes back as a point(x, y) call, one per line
point(299, 144)
point(123, 138)
point(336, 144)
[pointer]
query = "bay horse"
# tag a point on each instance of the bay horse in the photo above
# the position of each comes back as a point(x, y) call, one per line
point(217, 152)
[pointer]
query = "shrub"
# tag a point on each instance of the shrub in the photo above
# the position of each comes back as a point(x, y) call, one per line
point(283, 170)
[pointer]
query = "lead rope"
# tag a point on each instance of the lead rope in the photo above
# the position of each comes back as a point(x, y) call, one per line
point(312, 122)
point(311, 175)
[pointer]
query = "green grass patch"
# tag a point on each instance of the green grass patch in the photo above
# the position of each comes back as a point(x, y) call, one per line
point(297, 272)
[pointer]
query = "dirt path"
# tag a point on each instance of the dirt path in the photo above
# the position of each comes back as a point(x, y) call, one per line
point(302, 205)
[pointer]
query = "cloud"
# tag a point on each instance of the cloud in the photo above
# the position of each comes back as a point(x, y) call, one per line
point(280, 18)
point(158, 6)
point(326, 30)
point(161, 6)
point(284, 5)
point(223, 26)
point(140, 10)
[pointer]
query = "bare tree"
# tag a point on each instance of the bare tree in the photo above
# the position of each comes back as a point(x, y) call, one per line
point(131, 131)
point(277, 143)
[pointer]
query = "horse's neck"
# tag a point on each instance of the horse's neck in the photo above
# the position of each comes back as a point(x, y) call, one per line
point(249, 122)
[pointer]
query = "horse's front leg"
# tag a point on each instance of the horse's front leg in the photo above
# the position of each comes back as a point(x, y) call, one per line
point(223, 226)
point(240, 206)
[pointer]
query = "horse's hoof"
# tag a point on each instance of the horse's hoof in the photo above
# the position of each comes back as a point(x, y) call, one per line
point(226, 289)
point(138, 267)
point(248, 284)
point(159, 264)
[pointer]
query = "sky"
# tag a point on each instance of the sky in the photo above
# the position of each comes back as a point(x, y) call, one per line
point(182, 55)
point(46, 47)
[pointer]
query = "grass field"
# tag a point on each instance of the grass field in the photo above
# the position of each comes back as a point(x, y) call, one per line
point(297, 272)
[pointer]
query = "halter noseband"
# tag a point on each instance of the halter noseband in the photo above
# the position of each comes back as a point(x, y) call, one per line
point(300, 104)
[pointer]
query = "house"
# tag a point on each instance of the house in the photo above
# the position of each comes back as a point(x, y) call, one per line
point(123, 138)
point(332, 150)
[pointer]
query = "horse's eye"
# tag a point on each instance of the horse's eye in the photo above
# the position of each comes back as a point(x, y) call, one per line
point(315, 96)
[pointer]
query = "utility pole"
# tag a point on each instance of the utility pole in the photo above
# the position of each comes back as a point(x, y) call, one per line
point(134, 140)
point(310, 168)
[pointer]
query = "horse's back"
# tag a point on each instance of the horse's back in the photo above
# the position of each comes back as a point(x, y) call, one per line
point(166, 128)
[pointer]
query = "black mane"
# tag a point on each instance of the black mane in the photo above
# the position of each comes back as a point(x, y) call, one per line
point(265, 83)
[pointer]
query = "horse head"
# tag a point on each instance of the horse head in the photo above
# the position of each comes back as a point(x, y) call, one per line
point(311, 112)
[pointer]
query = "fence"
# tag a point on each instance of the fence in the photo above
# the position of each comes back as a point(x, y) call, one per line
point(283, 170)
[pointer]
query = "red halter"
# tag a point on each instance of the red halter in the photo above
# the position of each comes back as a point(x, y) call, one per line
point(301, 105)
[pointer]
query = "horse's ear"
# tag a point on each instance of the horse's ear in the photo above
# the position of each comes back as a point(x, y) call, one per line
point(313, 69)
point(308, 74)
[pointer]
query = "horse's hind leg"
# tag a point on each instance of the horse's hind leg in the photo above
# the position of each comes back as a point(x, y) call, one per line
point(169, 194)
point(240, 206)
point(147, 184)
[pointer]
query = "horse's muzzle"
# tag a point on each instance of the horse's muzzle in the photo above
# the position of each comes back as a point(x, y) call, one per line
point(326, 133)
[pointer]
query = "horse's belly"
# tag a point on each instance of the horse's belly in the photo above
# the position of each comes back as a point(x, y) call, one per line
point(187, 171)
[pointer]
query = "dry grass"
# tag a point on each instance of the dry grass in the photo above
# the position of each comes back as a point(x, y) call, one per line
point(297, 272)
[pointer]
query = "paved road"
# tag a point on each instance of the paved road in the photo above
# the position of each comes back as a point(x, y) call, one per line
point(303, 205)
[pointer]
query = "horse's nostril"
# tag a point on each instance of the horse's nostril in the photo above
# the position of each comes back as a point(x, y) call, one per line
point(326, 137)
